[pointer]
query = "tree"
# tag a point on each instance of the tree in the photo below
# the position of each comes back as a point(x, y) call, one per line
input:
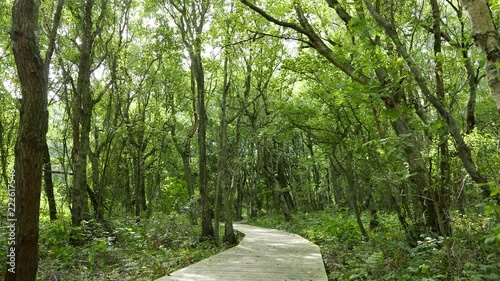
point(462, 147)
point(390, 90)
point(89, 28)
point(190, 18)
point(137, 133)
point(33, 73)
point(388, 79)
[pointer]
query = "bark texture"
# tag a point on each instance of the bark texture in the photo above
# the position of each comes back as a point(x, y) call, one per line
point(31, 139)
point(487, 40)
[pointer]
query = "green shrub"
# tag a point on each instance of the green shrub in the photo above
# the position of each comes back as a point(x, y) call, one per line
point(117, 251)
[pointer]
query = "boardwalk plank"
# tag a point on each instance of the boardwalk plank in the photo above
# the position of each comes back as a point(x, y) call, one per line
point(263, 255)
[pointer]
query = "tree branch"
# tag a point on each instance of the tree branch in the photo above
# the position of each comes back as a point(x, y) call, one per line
point(454, 129)
point(323, 49)
point(272, 19)
point(341, 12)
point(284, 37)
point(52, 38)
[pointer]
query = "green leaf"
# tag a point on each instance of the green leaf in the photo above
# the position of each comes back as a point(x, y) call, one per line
point(438, 124)
point(494, 192)
point(490, 240)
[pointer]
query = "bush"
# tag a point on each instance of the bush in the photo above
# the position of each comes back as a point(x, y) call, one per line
point(117, 252)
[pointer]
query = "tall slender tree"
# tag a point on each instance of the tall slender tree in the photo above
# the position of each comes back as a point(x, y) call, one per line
point(83, 103)
point(190, 18)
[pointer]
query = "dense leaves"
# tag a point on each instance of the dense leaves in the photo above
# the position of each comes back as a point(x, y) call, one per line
point(130, 251)
point(169, 116)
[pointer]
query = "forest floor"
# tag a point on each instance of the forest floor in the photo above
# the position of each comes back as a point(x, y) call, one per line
point(263, 255)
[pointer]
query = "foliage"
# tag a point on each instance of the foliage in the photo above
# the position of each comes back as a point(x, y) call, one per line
point(326, 114)
point(175, 197)
point(387, 256)
point(124, 251)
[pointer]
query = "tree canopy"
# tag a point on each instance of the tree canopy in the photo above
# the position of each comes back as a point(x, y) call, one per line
point(219, 110)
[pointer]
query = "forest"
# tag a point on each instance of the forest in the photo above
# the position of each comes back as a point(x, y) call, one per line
point(134, 133)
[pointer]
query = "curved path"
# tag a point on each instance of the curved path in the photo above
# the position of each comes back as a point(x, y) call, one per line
point(263, 255)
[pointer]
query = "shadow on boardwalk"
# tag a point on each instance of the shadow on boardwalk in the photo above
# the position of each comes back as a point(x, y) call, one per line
point(263, 255)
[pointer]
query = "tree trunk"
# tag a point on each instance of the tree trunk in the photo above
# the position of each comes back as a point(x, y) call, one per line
point(315, 203)
point(33, 125)
point(252, 194)
point(228, 195)
point(184, 148)
point(470, 118)
point(190, 19)
point(129, 206)
point(49, 185)
point(441, 193)
point(240, 189)
point(95, 193)
point(137, 192)
point(142, 182)
point(419, 179)
point(207, 230)
point(33, 73)
point(222, 162)
point(487, 40)
point(188, 177)
point(277, 181)
point(338, 191)
point(349, 174)
point(3, 156)
point(82, 116)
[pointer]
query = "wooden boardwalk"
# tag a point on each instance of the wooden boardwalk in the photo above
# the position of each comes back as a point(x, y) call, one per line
point(263, 255)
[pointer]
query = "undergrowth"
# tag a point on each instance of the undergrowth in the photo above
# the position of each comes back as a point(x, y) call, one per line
point(125, 250)
point(471, 254)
